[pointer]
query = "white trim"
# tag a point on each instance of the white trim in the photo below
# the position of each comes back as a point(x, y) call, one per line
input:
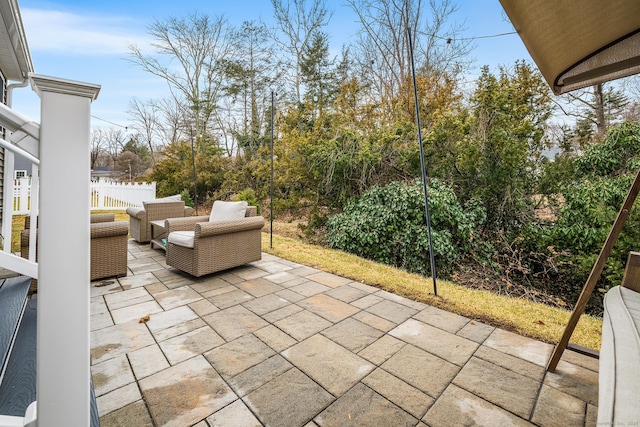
point(7, 202)
point(18, 150)
point(50, 84)
point(9, 421)
point(19, 265)
point(35, 180)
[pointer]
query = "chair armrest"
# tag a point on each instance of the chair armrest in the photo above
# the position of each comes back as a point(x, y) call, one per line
point(205, 229)
point(186, 223)
point(106, 217)
point(188, 211)
point(108, 229)
point(136, 212)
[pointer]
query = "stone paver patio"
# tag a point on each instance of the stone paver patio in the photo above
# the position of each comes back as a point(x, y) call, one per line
point(276, 343)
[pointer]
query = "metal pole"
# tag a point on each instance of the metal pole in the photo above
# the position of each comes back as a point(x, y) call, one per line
point(271, 179)
point(422, 165)
point(195, 179)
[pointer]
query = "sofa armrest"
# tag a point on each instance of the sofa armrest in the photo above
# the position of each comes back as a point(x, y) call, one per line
point(186, 223)
point(109, 229)
point(205, 229)
point(188, 211)
point(138, 213)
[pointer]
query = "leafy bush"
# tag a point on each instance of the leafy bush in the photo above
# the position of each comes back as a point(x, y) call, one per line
point(249, 196)
point(591, 203)
point(186, 198)
point(387, 224)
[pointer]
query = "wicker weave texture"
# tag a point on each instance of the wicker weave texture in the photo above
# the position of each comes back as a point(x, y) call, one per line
point(217, 245)
point(93, 218)
point(140, 219)
point(108, 248)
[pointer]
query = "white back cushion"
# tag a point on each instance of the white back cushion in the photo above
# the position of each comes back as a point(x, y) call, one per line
point(224, 211)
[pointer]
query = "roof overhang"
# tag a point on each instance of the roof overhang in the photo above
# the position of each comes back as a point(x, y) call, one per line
point(579, 43)
point(15, 59)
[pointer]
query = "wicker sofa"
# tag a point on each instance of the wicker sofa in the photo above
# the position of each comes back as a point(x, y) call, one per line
point(217, 245)
point(140, 218)
point(108, 245)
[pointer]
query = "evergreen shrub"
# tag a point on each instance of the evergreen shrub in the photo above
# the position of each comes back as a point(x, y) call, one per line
point(388, 225)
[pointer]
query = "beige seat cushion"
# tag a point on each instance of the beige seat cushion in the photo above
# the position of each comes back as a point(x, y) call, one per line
point(182, 238)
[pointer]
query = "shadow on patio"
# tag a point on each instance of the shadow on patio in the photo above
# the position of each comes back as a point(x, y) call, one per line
point(276, 343)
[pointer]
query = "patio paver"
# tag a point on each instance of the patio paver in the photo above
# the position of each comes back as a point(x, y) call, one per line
point(331, 365)
point(275, 343)
point(291, 399)
point(185, 393)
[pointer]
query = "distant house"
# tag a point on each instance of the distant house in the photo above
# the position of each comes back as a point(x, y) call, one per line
point(22, 167)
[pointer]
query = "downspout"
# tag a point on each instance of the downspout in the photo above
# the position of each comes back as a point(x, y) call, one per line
point(7, 196)
point(13, 86)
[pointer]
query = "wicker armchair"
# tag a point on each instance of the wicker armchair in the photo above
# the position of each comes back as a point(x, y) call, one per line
point(108, 246)
point(217, 246)
point(140, 218)
point(109, 249)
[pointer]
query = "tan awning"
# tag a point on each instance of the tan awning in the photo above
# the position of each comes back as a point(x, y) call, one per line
point(578, 43)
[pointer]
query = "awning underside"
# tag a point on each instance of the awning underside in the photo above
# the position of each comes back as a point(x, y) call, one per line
point(579, 43)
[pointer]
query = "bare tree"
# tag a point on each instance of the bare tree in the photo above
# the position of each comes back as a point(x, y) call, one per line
point(188, 54)
point(383, 44)
point(298, 20)
point(115, 140)
point(251, 72)
point(145, 122)
point(594, 108)
point(171, 125)
point(224, 120)
point(97, 146)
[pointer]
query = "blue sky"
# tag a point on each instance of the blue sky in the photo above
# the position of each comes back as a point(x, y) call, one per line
point(87, 41)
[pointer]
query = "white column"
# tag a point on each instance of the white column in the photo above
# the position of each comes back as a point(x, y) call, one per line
point(63, 252)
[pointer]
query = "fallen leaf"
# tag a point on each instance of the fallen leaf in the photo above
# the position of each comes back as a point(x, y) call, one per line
point(539, 322)
point(104, 283)
point(144, 319)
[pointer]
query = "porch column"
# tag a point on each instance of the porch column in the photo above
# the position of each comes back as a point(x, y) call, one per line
point(63, 248)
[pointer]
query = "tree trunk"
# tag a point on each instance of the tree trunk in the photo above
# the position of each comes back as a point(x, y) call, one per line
point(601, 126)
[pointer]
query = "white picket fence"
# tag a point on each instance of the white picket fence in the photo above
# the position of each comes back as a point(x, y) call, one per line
point(104, 195)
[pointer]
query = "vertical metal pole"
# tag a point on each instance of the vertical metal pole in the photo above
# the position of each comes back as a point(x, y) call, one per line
point(195, 178)
point(271, 179)
point(422, 165)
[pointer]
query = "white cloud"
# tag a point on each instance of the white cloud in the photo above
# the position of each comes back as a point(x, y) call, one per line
point(70, 33)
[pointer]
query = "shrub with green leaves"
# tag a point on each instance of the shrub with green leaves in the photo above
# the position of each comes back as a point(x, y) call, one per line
point(591, 200)
point(249, 196)
point(388, 225)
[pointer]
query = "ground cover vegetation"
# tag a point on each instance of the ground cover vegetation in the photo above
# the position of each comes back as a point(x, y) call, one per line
point(524, 186)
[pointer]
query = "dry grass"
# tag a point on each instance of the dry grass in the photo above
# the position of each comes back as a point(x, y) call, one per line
point(17, 225)
point(524, 317)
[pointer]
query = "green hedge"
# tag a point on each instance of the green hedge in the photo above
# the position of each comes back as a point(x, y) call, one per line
point(388, 225)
